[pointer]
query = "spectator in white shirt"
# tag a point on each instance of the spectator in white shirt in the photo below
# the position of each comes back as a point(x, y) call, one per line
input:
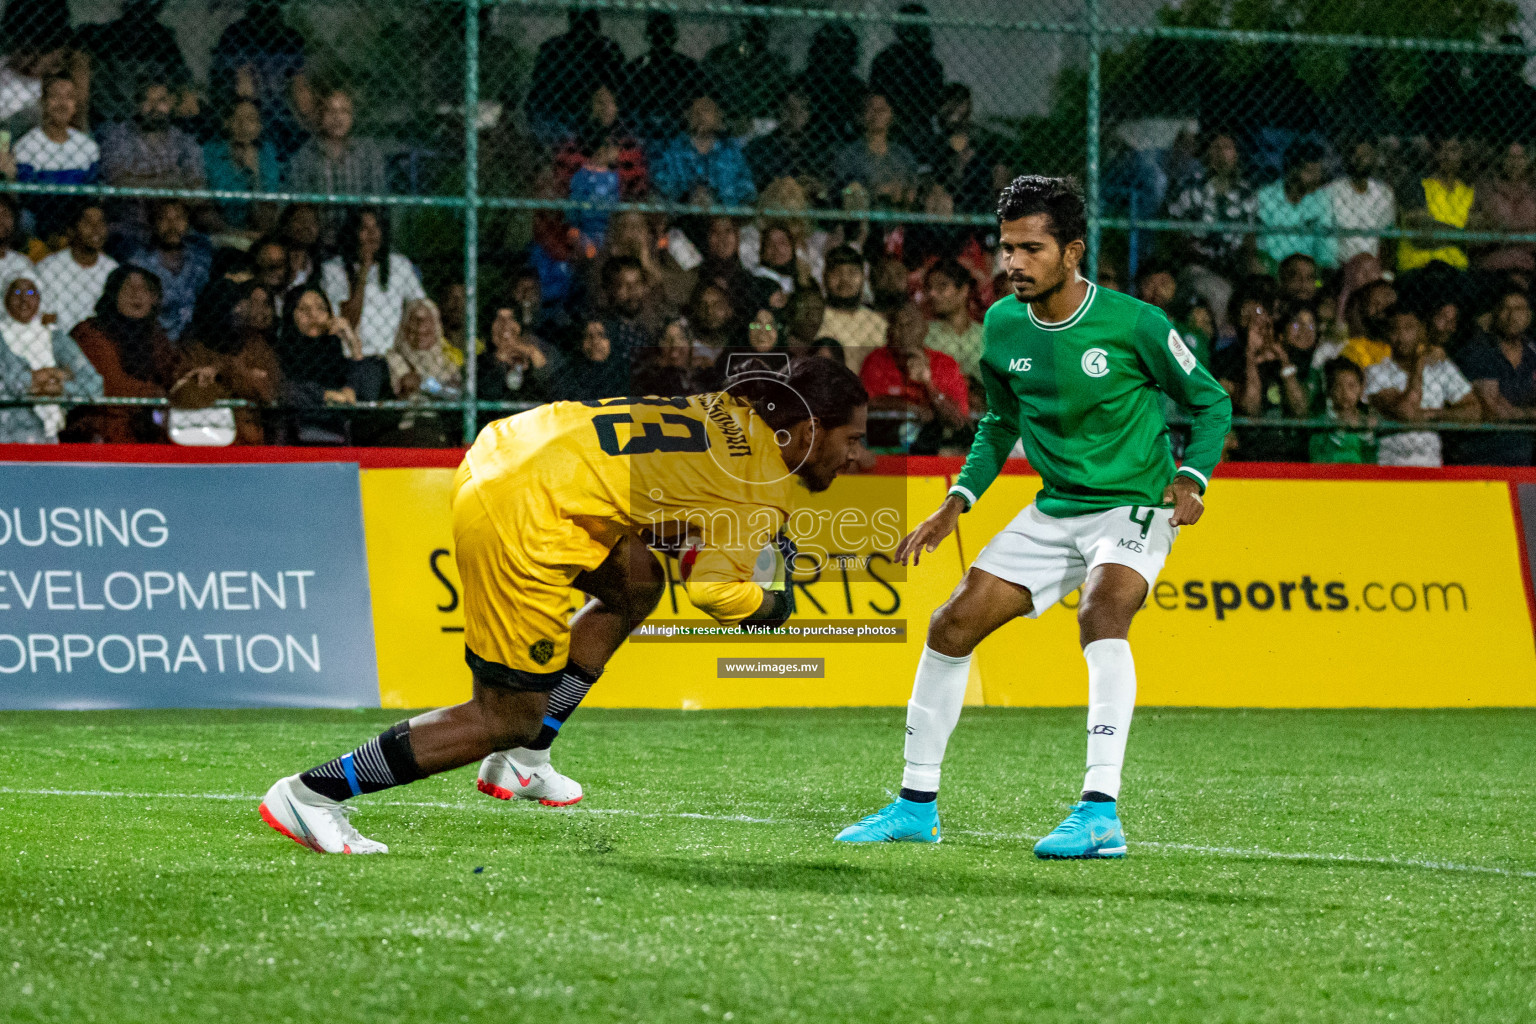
point(370, 285)
point(1416, 382)
point(54, 153)
point(1361, 202)
point(72, 280)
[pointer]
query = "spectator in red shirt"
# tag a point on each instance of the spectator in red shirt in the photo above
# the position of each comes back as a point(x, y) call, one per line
point(905, 376)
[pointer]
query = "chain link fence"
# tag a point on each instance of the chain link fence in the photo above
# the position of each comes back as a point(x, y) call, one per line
point(385, 223)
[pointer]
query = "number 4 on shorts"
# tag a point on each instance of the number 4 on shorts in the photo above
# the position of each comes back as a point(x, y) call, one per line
point(1145, 524)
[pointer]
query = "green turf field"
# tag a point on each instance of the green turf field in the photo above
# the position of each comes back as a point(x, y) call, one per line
point(1336, 866)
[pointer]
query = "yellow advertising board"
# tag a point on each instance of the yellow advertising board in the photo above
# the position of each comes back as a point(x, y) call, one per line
point(1302, 593)
point(418, 621)
point(1290, 593)
point(418, 618)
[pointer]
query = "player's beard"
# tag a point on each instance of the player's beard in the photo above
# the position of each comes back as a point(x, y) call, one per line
point(813, 481)
point(1043, 294)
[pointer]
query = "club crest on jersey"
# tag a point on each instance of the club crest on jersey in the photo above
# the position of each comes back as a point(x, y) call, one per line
point(1096, 362)
point(1019, 365)
point(541, 651)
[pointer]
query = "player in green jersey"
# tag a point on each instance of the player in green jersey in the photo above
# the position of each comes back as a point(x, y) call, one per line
point(1075, 372)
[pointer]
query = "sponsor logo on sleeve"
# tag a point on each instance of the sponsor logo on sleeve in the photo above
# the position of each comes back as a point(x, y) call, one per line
point(1181, 352)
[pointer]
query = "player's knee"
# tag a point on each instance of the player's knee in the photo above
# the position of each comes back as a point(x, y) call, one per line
point(1101, 617)
point(950, 633)
point(644, 596)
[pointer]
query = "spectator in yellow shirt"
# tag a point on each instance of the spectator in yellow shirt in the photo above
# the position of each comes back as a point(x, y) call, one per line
point(1441, 201)
point(1365, 315)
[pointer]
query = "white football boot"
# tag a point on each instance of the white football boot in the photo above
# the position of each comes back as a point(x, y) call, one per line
point(506, 778)
point(312, 820)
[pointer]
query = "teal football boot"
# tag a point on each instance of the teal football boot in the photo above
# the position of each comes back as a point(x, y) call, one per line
point(902, 821)
point(1091, 831)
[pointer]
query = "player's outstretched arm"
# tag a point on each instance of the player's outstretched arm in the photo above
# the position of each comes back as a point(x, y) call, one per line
point(931, 532)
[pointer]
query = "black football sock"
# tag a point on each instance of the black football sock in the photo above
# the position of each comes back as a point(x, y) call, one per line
point(564, 699)
point(383, 762)
point(918, 796)
point(1093, 796)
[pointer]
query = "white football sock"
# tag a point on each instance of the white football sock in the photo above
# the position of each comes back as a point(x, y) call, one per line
point(937, 695)
point(529, 758)
point(1111, 699)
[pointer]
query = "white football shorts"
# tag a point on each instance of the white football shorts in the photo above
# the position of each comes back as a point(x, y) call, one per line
point(1052, 557)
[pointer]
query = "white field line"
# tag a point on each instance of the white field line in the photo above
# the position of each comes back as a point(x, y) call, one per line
point(1257, 853)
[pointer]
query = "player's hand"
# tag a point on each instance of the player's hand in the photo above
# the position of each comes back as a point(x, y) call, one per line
point(931, 532)
point(1184, 495)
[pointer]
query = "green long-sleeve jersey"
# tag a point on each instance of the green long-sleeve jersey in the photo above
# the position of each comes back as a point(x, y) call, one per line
point(1083, 395)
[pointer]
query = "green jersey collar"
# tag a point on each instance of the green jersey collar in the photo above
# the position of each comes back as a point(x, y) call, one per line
point(1070, 321)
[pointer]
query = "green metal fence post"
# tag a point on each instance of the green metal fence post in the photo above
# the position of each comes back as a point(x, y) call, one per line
point(1095, 213)
point(471, 211)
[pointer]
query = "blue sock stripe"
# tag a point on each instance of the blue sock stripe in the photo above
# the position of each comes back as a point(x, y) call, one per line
point(553, 723)
point(350, 771)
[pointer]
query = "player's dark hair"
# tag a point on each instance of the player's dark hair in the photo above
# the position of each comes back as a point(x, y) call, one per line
point(1060, 198)
point(810, 387)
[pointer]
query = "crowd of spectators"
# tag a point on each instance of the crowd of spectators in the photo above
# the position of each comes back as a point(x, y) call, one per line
point(1297, 304)
point(310, 308)
point(1363, 335)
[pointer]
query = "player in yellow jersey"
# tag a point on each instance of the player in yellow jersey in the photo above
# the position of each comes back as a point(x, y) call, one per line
point(567, 495)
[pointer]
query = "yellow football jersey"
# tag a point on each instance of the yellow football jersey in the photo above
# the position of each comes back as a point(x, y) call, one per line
point(565, 481)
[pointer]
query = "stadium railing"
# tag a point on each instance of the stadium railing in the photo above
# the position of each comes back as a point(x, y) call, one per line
point(1131, 89)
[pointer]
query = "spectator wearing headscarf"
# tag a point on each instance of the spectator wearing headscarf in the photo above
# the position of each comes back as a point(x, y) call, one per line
point(226, 354)
point(420, 368)
point(135, 357)
point(43, 362)
point(24, 335)
point(760, 335)
point(317, 352)
point(599, 369)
